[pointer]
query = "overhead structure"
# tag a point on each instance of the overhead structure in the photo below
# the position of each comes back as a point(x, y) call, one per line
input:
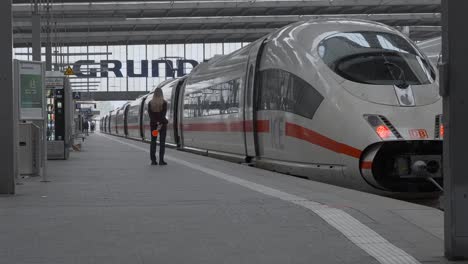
point(453, 90)
point(81, 22)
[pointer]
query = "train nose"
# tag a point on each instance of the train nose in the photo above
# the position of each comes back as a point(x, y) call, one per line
point(403, 166)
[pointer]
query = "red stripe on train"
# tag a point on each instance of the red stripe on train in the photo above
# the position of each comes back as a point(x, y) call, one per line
point(299, 132)
point(263, 126)
point(366, 165)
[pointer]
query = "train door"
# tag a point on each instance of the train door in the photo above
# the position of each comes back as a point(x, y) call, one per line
point(142, 117)
point(109, 123)
point(249, 106)
point(180, 114)
point(175, 114)
point(126, 120)
point(104, 127)
point(117, 120)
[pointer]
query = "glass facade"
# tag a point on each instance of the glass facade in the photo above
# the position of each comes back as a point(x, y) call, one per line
point(121, 68)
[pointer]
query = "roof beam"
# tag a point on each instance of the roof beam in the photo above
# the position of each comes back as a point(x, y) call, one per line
point(172, 5)
point(90, 22)
point(65, 35)
point(112, 96)
point(175, 36)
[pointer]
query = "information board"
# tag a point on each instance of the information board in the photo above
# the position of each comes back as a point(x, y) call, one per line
point(30, 82)
point(54, 82)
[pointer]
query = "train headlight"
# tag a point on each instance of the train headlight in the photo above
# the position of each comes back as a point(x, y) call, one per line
point(382, 127)
point(383, 132)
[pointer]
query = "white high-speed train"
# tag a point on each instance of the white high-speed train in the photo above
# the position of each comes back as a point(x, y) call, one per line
point(433, 49)
point(348, 102)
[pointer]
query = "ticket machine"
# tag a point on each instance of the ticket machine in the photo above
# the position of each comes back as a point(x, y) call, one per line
point(59, 115)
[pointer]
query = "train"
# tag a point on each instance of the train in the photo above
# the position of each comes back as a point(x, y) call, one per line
point(347, 102)
point(433, 49)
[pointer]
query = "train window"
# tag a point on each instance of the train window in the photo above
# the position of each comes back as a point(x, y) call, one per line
point(284, 91)
point(214, 100)
point(375, 58)
point(146, 118)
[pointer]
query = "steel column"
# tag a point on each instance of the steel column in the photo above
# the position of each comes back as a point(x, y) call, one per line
point(36, 33)
point(453, 88)
point(48, 46)
point(126, 63)
point(8, 115)
point(107, 58)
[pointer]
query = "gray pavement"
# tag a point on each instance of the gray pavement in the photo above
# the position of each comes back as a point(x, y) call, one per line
point(108, 205)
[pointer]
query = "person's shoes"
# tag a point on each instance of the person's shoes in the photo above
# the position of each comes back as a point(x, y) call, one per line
point(154, 162)
point(162, 163)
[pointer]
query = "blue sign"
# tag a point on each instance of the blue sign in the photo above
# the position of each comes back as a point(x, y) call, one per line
point(77, 95)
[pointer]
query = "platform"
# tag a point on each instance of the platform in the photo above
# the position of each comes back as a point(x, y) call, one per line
point(108, 205)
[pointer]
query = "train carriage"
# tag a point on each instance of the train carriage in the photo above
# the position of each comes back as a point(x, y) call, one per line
point(120, 118)
point(134, 120)
point(212, 113)
point(105, 128)
point(112, 122)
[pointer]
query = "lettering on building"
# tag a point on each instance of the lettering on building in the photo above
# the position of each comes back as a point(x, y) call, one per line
point(113, 68)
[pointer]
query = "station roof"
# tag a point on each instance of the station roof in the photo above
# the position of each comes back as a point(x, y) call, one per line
point(75, 22)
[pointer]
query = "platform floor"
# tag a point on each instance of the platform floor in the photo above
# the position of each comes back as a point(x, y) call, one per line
point(108, 205)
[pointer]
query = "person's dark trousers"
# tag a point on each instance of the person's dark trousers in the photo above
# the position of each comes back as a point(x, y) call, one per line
point(153, 126)
point(162, 142)
point(153, 148)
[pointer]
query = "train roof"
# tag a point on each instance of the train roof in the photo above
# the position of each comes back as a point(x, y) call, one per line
point(315, 28)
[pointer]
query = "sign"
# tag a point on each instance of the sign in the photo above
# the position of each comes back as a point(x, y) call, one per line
point(30, 82)
point(418, 134)
point(54, 82)
point(77, 95)
point(86, 111)
point(115, 66)
point(69, 71)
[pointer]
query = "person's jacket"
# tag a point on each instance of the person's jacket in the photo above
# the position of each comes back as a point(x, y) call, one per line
point(158, 117)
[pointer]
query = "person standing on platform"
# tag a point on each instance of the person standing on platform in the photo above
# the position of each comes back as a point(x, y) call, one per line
point(86, 127)
point(157, 109)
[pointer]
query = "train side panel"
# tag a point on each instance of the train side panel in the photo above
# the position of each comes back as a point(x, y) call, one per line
point(212, 105)
point(145, 118)
point(119, 117)
point(133, 119)
point(169, 96)
point(112, 123)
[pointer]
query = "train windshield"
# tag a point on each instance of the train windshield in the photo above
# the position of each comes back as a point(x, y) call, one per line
point(375, 58)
